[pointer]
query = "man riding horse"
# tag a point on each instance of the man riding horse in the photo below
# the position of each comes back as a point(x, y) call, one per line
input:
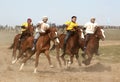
point(90, 28)
point(42, 26)
point(24, 27)
point(70, 29)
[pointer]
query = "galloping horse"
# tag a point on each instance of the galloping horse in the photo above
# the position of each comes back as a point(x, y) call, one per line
point(42, 46)
point(16, 43)
point(93, 44)
point(72, 46)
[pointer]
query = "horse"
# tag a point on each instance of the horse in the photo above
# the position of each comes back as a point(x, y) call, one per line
point(72, 46)
point(42, 46)
point(93, 44)
point(16, 43)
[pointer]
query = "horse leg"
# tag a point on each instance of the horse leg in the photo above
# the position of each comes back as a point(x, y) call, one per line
point(20, 54)
point(58, 58)
point(71, 59)
point(48, 57)
point(78, 59)
point(25, 60)
point(88, 60)
point(37, 61)
point(62, 57)
point(14, 55)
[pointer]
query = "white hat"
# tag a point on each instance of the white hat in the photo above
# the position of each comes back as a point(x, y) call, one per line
point(92, 18)
point(45, 17)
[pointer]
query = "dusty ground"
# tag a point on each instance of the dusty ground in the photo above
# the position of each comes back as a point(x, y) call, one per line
point(98, 71)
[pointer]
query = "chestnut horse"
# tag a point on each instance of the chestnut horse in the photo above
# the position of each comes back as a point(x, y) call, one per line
point(42, 46)
point(16, 43)
point(93, 44)
point(72, 46)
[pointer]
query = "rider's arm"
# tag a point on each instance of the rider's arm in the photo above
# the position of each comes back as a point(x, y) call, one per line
point(85, 26)
point(24, 26)
point(38, 25)
point(67, 23)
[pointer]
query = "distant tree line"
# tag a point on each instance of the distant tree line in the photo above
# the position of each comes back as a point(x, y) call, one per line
point(17, 27)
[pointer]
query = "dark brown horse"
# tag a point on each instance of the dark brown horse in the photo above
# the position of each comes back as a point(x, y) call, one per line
point(16, 43)
point(93, 44)
point(42, 46)
point(72, 46)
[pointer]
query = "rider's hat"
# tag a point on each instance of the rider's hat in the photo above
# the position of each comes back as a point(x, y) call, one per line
point(45, 17)
point(92, 18)
point(29, 19)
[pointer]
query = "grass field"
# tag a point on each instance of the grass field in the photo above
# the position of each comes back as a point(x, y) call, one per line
point(103, 68)
point(112, 34)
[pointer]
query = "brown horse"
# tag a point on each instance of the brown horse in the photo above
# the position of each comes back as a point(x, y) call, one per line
point(93, 44)
point(16, 43)
point(42, 46)
point(72, 46)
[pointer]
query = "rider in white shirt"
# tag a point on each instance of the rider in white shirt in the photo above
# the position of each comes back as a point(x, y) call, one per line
point(90, 29)
point(42, 26)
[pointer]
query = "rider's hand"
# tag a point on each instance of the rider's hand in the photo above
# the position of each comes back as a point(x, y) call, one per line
point(23, 27)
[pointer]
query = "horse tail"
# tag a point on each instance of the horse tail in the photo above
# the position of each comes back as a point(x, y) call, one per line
point(11, 47)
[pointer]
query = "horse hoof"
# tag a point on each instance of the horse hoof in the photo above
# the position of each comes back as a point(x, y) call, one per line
point(85, 62)
point(21, 67)
point(35, 70)
point(14, 61)
point(51, 66)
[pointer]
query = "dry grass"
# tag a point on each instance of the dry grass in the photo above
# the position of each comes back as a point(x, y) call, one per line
point(112, 34)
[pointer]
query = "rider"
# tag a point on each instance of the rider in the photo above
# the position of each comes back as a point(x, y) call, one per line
point(42, 26)
point(70, 29)
point(89, 30)
point(24, 27)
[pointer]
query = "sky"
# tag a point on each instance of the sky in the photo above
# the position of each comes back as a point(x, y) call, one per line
point(15, 12)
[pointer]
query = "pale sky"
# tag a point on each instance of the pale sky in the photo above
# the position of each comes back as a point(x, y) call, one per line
point(15, 12)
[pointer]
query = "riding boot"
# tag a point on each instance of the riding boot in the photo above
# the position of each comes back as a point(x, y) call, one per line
point(20, 40)
point(34, 44)
point(21, 36)
point(86, 42)
point(85, 46)
point(65, 40)
point(84, 50)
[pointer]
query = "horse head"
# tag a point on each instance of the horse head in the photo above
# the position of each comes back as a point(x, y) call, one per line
point(30, 30)
point(99, 33)
point(79, 31)
point(53, 34)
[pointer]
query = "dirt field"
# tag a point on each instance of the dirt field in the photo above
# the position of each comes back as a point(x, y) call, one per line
point(100, 69)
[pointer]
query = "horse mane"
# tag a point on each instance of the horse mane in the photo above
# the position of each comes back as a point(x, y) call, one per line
point(97, 29)
point(49, 30)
